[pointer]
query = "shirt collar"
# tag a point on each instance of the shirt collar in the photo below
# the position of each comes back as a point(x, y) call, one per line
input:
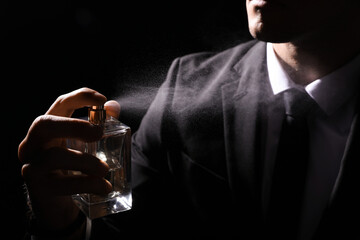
point(330, 92)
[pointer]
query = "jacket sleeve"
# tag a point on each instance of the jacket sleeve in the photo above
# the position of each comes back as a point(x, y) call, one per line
point(153, 193)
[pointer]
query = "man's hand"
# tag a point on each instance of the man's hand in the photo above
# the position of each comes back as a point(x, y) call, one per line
point(46, 158)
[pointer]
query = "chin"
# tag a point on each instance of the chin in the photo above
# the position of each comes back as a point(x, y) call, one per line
point(273, 31)
point(273, 22)
point(267, 35)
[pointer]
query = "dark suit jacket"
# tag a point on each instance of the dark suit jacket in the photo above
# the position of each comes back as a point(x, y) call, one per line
point(198, 156)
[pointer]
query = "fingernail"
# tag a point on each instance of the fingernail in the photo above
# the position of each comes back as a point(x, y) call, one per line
point(105, 167)
point(108, 186)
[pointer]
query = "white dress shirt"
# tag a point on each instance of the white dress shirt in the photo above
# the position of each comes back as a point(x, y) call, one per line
point(335, 93)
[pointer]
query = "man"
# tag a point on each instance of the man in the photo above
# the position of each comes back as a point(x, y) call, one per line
point(207, 155)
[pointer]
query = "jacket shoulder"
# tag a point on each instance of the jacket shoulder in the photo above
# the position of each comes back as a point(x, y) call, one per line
point(208, 62)
point(200, 76)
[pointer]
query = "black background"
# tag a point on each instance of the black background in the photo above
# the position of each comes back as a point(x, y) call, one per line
point(53, 47)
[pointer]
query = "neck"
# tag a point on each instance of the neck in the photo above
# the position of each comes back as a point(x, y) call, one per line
point(317, 55)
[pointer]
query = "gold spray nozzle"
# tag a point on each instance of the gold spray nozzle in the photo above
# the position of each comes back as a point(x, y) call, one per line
point(97, 115)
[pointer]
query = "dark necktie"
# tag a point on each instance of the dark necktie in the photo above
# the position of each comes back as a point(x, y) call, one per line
point(290, 165)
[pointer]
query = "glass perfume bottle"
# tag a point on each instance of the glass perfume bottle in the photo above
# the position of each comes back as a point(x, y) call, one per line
point(114, 148)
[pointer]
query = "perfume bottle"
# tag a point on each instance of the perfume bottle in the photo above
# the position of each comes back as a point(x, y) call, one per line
point(114, 148)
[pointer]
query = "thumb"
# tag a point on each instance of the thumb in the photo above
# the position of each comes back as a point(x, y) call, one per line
point(112, 108)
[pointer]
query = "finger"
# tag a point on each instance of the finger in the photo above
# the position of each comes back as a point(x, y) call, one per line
point(112, 108)
point(73, 184)
point(46, 128)
point(66, 104)
point(68, 159)
point(59, 184)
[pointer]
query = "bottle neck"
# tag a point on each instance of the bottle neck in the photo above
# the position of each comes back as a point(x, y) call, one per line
point(97, 115)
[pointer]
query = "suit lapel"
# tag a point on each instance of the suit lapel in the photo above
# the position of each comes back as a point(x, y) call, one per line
point(349, 165)
point(244, 100)
point(341, 218)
